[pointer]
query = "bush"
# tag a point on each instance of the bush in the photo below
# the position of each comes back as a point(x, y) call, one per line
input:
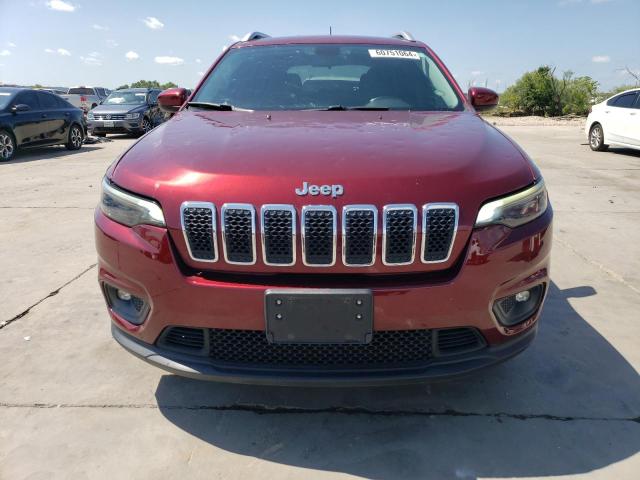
point(540, 92)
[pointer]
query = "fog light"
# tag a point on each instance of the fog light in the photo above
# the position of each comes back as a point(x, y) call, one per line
point(518, 307)
point(126, 296)
point(133, 309)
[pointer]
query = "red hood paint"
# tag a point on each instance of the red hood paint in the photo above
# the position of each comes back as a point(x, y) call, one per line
point(378, 157)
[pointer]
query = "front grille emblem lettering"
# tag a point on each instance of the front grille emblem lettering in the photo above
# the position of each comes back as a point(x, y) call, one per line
point(334, 190)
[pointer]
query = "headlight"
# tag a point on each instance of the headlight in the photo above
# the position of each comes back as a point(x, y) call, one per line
point(131, 116)
point(90, 116)
point(128, 209)
point(516, 209)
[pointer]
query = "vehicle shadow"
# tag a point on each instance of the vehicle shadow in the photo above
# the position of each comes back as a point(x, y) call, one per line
point(47, 153)
point(565, 406)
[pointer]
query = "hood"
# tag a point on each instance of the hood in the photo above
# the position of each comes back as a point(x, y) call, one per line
point(378, 158)
point(111, 109)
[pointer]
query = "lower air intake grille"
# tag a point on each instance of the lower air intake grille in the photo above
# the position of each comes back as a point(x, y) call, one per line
point(238, 224)
point(185, 337)
point(319, 228)
point(400, 234)
point(439, 226)
point(457, 340)
point(198, 225)
point(250, 347)
point(278, 227)
point(359, 236)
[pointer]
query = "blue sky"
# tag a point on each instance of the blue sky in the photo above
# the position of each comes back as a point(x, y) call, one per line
point(108, 43)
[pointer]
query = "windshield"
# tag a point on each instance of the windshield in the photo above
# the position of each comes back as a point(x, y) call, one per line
point(126, 97)
point(302, 77)
point(81, 91)
point(5, 99)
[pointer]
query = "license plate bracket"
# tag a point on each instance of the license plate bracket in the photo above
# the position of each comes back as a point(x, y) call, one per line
point(108, 123)
point(333, 316)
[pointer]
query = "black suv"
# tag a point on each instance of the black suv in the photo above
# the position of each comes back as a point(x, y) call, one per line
point(31, 118)
point(131, 110)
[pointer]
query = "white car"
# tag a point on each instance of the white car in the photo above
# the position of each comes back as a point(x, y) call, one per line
point(616, 121)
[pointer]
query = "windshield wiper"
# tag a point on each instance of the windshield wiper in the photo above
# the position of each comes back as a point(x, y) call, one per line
point(213, 106)
point(336, 108)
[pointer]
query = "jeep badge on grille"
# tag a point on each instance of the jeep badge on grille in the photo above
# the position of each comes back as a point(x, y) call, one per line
point(334, 190)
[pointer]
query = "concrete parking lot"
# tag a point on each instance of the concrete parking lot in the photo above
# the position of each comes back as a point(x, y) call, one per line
point(73, 404)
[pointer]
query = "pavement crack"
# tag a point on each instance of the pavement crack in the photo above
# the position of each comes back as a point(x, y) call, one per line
point(259, 409)
point(5, 323)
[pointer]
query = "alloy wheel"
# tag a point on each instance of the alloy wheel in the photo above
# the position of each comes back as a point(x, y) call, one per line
point(595, 138)
point(146, 125)
point(6, 146)
point(76, 137)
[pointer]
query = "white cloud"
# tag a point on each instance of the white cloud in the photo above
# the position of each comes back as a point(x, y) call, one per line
point(600, 1)
point(60, 6)
point(169, 60)
point(5, 53)
point(111, 43)
point(475, 73)
point(60, 51)
point(103, 28)
point(131, 55)
point(153, 23)
point(11, 45)
point(601, 59)
point(91, 60)
point(198, 60)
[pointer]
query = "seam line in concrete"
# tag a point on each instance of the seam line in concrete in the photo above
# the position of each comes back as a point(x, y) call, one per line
point(51, 294)
point(611, 273)
point(265, 410)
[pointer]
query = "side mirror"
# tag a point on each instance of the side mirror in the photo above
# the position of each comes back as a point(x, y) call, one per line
point(172, 99)
point(482, 99)
point(21, 107)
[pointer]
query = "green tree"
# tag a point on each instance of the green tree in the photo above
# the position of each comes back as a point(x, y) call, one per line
point(164, 86)
point(145, 84)
point(121, 87)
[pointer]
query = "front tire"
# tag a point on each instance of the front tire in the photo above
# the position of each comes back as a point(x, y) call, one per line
point(596, 138)
point(7, 146)
point(76, 137)
point(146, 126)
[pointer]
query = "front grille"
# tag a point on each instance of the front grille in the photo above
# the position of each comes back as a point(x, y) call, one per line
point(319, 235)
point(113, 116)
point(278, 234)
point(399, 236)
point(439, 223)
point(318, 226)
point(250, 347)
point(458, 340)
point(198, 226)
point(359, 226)
point(238, 231)
point(191, 338)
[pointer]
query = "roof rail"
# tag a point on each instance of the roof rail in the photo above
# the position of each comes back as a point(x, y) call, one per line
point(404, 36)
point(254, 36)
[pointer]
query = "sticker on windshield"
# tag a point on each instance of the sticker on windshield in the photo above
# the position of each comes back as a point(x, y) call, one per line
point(408, 54)
point(5, 94)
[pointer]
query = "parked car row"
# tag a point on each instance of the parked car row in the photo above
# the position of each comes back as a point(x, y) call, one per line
point(86, 98)
point(31, 118)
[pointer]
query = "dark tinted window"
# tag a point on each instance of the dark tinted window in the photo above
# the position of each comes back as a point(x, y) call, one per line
point(625, 101)
point(303, 77)
point(153, 96)
point(47, 101)
point(81, 91)
point(62, 103)
point(6, 97)
point(28, 98)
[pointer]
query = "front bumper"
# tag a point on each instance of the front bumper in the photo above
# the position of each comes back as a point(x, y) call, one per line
point(116, 126)
point(497, 262)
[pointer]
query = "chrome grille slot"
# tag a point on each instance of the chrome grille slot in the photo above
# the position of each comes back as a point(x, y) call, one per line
point(199, 230)
point(319, 235)
point(399, 226)
point(359, 228)
point(238, 233)
point(278, 230)
point(439, 225)
point(113, 116)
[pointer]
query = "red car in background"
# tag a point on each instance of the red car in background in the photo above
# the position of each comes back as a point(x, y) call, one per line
point(324, 210)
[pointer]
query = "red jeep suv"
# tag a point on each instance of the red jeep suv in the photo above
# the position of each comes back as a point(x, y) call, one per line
point(324, 210)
